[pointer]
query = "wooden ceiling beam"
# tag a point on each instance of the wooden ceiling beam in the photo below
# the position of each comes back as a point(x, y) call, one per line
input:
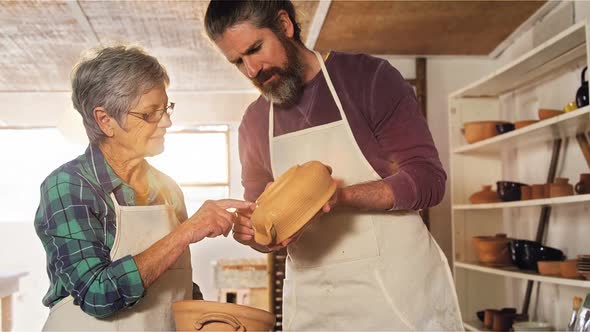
point(79, 15)
point(317, 23)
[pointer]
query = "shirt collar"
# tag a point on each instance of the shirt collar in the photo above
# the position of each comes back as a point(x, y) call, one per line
point(103, 172)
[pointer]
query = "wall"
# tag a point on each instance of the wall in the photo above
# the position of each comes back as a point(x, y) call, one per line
point(444, 75)
point(21, 250)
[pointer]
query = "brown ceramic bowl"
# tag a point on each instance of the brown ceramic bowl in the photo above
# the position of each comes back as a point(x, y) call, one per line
point(549, 268)
point(215, 316)
point(486, 195)
point(549, 113)
point(479, 130)
point(493, 250)
point(569, 269)
point(291, 201)
point(524, 123)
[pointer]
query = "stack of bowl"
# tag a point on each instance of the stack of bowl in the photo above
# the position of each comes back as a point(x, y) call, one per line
point(584, 266)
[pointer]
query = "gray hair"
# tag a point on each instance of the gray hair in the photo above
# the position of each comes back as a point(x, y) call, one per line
point(113, 78)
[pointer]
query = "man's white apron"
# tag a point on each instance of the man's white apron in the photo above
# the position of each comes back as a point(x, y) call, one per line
point(354, 270)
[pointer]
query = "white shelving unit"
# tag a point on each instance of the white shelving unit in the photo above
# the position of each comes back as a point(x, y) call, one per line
point(474, 165)
point(528, 203)
point(514, 272)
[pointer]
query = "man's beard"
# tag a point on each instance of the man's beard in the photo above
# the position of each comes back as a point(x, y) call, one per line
point(287, 86)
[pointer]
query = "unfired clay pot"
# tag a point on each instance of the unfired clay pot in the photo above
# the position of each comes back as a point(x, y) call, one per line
point(486, 195)
point(291, 201)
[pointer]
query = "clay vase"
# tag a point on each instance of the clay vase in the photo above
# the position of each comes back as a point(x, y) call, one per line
point(538, 191)
point(486, 195)
point(583, 187)
point(560, 187)
point(525, 193)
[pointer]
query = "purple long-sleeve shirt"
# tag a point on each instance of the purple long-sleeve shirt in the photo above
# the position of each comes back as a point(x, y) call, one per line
point(383, 114)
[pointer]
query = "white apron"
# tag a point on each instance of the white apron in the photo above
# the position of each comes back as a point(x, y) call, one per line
point(356, 270)
point(138, 227)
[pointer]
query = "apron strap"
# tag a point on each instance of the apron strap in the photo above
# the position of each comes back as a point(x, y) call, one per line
point(331, 86)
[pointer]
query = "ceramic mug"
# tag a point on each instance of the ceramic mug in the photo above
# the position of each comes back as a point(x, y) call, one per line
point(583, 187)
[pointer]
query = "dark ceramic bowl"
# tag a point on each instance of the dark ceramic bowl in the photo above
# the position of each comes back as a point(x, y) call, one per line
point(526, 254)
point(503, 128)
point(509, 191)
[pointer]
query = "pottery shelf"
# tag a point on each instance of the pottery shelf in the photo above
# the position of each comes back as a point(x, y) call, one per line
point(565, 125)
point(514, 272)
point(532, 202)
point(539, 79)
point(543, 60)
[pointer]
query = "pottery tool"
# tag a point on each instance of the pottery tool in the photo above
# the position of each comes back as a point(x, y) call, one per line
point(577, 302)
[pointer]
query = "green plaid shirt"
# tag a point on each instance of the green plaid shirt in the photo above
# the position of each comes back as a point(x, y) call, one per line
point(76, 224)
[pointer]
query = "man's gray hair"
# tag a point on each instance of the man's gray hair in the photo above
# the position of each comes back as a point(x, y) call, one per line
point(113, 78)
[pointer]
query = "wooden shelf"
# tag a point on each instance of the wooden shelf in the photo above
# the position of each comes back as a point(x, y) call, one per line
point(543, 60)
point(514, 272)
point(533, 202)
point(474, 326)
point(565, 125)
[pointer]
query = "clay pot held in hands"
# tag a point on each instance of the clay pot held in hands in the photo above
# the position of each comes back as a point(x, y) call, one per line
point(583, 187)
point(291, 201)
point(486, 195)
point(561, 187)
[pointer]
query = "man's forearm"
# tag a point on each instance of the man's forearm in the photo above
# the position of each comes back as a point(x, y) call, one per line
point(376, 195)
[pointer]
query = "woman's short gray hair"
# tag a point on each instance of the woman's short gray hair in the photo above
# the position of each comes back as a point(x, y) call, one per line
point(113, 78)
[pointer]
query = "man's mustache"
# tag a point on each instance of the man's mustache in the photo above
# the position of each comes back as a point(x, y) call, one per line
point(264, 75)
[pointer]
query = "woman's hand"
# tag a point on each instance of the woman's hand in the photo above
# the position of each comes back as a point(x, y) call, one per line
point(213, 219)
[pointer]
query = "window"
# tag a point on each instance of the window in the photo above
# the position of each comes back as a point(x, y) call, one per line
point(197, 158)
point(28, 156)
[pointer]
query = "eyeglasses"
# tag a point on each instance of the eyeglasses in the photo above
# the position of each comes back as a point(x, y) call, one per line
point(155, 116)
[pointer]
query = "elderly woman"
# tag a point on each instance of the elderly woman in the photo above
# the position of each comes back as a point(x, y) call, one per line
point(117, 256)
